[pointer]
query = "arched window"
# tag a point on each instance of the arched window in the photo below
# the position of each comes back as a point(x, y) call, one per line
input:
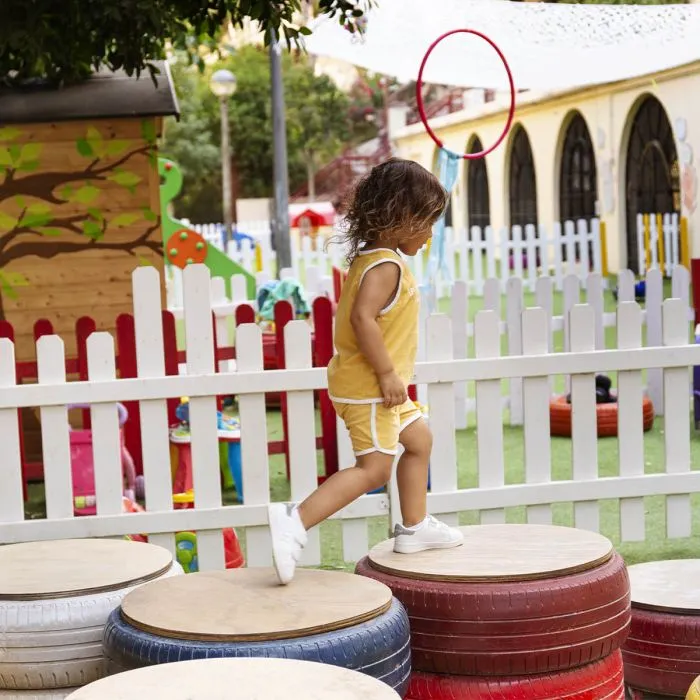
point(478, 208)
point(577, 175)
point(652, 176)
point(522, 190)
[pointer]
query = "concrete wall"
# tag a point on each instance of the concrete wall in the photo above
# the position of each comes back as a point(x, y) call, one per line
point(608, 111)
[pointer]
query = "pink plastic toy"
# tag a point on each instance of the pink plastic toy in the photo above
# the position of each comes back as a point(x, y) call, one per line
point(83, 466)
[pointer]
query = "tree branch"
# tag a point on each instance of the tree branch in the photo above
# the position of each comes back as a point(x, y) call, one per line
point(47, 249)
point(42, 185)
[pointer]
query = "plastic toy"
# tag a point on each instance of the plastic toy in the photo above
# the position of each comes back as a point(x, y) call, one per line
point(83, 466)
point(278, 290)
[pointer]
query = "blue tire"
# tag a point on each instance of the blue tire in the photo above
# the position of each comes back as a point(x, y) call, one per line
point(380, 647)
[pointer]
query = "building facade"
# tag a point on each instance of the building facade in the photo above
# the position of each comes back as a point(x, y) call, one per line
point(611, 151)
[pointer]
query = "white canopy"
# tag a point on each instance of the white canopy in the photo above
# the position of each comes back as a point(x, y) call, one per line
point(548, 46)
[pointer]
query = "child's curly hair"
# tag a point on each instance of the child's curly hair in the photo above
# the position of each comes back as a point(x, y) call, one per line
point(397, 196)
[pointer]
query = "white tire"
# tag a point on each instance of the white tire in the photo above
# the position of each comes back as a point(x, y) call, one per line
point(56, 643)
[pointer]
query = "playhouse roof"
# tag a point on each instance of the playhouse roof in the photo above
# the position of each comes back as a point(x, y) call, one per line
point(105, 95)
point(550, 46)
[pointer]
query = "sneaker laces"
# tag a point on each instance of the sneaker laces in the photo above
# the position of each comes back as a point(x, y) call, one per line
point(438, 524)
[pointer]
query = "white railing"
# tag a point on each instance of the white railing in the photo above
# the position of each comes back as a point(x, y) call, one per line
point(439, 371)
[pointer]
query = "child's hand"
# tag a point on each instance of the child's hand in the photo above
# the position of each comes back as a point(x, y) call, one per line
point(393, 389)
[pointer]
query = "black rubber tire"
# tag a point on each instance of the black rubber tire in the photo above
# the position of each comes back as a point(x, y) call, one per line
point(380, 647)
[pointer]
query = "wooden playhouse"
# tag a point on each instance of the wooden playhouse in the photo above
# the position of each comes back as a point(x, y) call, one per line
point(79, 205)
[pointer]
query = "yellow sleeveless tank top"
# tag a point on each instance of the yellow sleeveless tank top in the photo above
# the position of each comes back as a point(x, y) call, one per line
point(351, 378)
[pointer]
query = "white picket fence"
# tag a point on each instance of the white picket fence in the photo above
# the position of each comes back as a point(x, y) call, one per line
point(471, 256)
point(439, 371)
point(664, 239)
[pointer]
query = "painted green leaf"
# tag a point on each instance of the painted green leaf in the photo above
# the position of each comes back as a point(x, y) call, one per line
point(86, 194)
point(32, 220)
point(116, 148)
point(95, 213)
point(92, 230)
point(50, 231)
point(5, 157)
point(21, 202)
point(38, 208)
point(15, 152)
point(30, 151)
point(9, 133)
point(125, 219)
point(29, 167)
point(7, 222)
point(148, 130)
point(150, 215)
point(10, 280)
point(96, 142)
point(84, 148)
point(144, 262)
point(125, 178)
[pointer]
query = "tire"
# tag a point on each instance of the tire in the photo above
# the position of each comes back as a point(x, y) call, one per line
point(513, 628)
point(606, 417)
point(662, 652)
point(57, 642)
point(380, 647)
point(601, 680)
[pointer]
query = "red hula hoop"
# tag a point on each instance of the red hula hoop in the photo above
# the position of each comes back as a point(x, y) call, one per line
point(421, 106)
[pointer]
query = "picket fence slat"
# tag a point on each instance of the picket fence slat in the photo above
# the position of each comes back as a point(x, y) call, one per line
point(676, 390)
point(489, 421)
point(460, 315)
point(150, 362)
point(199, 334)
point(630, 419)
point(254, 460)
point(104, 418)
point(536, 397)
point(55, 438)
point(584, 439)
point(514, 311)
point(302, 433)
point(443, 459)
point(654, 302)
point(11, 499)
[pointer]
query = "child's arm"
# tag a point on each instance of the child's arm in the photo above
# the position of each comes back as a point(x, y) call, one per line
point(378, 288)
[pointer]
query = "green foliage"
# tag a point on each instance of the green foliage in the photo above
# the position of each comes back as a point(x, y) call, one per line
point(318, 127)
point(63, 41)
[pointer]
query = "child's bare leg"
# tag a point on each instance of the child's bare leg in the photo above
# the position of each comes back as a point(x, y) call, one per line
point(412, 471)
point(371, 472)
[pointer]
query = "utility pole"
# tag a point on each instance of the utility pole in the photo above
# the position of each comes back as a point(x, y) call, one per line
point(280, 221)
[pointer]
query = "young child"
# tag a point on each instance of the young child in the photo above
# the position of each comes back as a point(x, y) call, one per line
point(376, 335)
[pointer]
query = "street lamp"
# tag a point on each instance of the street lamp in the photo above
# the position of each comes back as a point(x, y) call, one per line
point(223, 85)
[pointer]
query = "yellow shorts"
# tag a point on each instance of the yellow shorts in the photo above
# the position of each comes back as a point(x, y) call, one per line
point(374, 428)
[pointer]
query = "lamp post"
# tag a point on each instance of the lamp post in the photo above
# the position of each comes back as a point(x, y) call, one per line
point(223, 85)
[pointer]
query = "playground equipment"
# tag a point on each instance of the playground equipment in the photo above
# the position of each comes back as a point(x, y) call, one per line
point(330, 617)
point(83, 467)
point(184, 246)
point(55, 598)
point(516, 608)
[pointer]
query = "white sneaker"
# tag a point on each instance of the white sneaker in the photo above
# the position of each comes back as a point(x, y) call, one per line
point(430, 534)
point(288, 538)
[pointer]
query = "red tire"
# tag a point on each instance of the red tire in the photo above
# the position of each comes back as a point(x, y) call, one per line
point(601, 680)
point(606, 417)
point(513, 628)
point(662, 652)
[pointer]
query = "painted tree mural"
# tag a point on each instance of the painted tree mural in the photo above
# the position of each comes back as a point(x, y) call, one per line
point(47, 211)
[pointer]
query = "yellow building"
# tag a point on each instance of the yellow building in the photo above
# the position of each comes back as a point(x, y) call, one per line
point(613, 151)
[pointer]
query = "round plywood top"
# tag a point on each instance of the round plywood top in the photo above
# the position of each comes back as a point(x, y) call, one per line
point(250, 605)
point(223, 679)
point(666, 586)
point(61, 568)
point(500, 553)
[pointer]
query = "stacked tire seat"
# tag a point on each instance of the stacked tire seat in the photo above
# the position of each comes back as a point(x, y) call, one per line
point(55, 598)
point(662, 652)
point(324, 616)
point(211, 679)
point(521, 611)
